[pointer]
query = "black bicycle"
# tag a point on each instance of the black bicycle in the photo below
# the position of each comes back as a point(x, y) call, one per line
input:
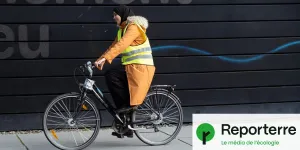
point(76, 114)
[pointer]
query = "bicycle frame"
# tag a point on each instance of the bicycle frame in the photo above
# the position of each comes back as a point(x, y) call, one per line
point(89, 85)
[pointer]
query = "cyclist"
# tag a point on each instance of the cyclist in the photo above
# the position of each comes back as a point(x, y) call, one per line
point(130, 82)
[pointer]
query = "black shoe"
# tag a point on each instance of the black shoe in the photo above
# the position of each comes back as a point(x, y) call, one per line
point(117, 135)
point(129, 134)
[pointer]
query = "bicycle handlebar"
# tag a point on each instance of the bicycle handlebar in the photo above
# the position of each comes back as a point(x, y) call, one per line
point(90, 67)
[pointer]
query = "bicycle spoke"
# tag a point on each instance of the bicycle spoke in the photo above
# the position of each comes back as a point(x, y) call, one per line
point(64, 126)
point(87, 125)
point(148, 106)
point(142, 113)
point(167, 104)
point(84, 114)
point(149, 102)
point(157, 103)
point(54, 121)
point(145, 115)
point(171, 114)
point(78, 129)
point(67, 109)
point(84, 126)
point(74, 138)
point(145, 109)
point(57, 124)
point(169, 108)
point(168, 123)
point(160, 104)
point(74, 104)
point(63, 108)
point(70, 105)
point(87, 117)
point(172, 117)
point(82, 136)
point(55, 117)
point(61, 117)
point(170, 120)
point(59, 112)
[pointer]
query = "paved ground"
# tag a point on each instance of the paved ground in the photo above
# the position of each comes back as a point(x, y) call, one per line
point(38, 141)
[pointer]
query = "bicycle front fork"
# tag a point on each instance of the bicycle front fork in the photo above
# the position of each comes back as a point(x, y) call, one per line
point(79, 104)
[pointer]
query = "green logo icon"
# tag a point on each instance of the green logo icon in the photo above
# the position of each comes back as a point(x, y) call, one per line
point(205, 132)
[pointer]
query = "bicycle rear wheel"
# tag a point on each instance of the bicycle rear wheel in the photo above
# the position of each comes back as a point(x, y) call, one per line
point(160, 131)
point(59, 127)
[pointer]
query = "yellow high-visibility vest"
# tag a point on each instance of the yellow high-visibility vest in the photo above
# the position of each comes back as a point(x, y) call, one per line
point(140, 54)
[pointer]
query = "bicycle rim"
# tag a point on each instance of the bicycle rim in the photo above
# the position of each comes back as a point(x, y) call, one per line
point(64, 133)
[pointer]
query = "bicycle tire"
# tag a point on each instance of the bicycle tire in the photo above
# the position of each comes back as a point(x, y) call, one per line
point(97, 128)
point(174, 98)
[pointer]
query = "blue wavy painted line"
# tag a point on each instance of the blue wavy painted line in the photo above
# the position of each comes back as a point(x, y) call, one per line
point(224, 58)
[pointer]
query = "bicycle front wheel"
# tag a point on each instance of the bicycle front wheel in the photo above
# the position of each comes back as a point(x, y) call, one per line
point(62, 130)
point(160, 131)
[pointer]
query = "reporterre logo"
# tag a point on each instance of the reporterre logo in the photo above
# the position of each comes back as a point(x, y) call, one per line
point(205, 132)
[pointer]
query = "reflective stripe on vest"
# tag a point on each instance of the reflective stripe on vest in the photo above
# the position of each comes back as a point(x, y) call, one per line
point(138, 57)
point(140, 54)
point(133, 52)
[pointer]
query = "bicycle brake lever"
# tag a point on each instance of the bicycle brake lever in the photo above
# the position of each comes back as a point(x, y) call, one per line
point(90, 67)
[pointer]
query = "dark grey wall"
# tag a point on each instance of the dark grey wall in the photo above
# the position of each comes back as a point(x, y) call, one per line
point(225, 56)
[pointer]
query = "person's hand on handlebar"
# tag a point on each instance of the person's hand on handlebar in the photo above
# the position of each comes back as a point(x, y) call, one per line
point(99, 63)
